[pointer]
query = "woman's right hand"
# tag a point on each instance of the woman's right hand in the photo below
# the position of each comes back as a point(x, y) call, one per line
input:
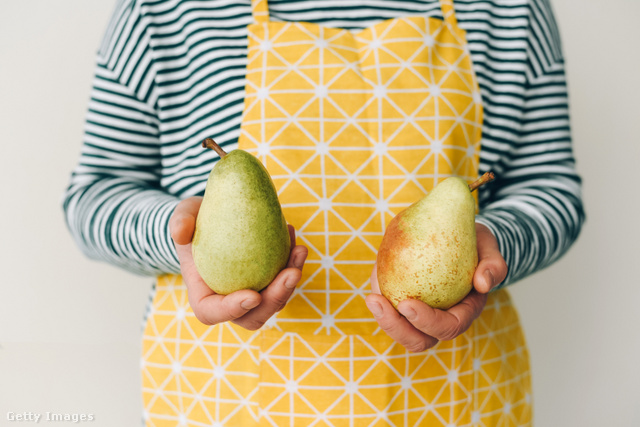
point(247, 308)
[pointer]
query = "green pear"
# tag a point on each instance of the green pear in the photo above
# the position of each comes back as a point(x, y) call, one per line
point(241, 239)
point(429, 250)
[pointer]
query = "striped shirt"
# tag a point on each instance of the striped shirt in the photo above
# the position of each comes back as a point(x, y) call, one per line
point(170, 73)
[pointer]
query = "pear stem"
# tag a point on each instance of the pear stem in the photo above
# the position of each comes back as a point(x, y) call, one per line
point(487, 177)
point(211, 144)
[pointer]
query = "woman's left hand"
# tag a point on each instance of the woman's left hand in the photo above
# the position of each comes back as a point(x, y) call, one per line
point(417, 326)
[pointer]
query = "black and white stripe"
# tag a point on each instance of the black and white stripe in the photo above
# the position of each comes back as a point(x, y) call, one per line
point(170, 73)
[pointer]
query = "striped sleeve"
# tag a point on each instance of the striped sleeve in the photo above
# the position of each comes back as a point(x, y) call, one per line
point(114, 205)
point(535, 209)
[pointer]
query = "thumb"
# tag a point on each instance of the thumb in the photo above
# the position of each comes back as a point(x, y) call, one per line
point(183, 221)
point(492, 268)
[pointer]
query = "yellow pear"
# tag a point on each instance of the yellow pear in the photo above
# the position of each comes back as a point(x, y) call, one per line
point(429, 250)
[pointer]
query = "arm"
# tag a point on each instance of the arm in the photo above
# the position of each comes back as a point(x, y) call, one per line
point(532, 214)
point(114, 206)
point(117, 212)
point(535, 207)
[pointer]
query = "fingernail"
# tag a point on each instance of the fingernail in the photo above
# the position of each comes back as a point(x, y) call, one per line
point(290, 283)
point(298, 261)
point(249, 303)
point(408, 312)
point(375, 308)
point(488, 276)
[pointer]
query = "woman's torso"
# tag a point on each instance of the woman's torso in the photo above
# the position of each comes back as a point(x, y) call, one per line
point(341, 368)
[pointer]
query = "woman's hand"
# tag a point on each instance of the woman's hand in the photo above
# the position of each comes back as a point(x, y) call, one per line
point(419, 327)
point(247, 308)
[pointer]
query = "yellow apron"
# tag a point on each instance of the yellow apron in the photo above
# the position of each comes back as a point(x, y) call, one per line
point(353, 127)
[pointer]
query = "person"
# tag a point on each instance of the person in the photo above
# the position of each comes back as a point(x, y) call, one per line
point(357, 108)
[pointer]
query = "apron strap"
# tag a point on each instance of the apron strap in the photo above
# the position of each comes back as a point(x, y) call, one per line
point(260, 11)
point(449, 12)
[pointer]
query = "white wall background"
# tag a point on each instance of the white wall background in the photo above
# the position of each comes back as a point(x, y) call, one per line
point(70, 327)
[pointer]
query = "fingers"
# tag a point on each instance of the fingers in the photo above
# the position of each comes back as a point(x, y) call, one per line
point(398, 327)
point(183, 221)
point(418, 327)
point(492, 268)
point(395, 325)
point(274, 298)
point(277, 294)
point(444, 324)
point(209, 307)
point(212, 308)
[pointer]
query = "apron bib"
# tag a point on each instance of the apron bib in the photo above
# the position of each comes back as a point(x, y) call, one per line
point(353, 128)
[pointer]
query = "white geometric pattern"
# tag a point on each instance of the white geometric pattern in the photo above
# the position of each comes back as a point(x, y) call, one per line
point(225, 375)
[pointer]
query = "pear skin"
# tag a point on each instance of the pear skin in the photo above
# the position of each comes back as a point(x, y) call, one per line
point(429, 250)
point(241, 239)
